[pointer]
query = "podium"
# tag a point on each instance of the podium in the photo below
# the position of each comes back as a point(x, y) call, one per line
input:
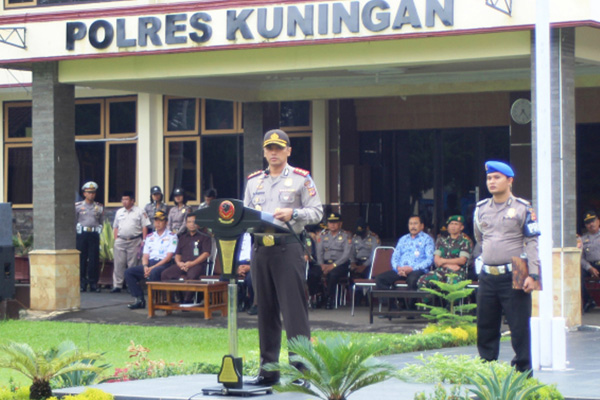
point(228, 220)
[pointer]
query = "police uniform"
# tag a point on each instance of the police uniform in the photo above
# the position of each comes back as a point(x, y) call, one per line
point(130, 224)
point(277, 262)
point(151, 208)
point(89, 217)
point(334, 248)
point(363, 250)
point(504, 231)
point(590, 258)
point(177, 216)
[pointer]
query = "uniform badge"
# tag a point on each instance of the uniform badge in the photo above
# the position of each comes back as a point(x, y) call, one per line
point(288, 182)
point(312, 192)
point(183, 211)
point(258, 207)
point(511, 213)
point(268, 240)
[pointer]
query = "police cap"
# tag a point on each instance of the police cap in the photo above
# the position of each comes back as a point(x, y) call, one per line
point(499, 166)
point(160, 215)
point(334, 217)
point(178, 192)
point(155, 190)
point(90, 186)
point(361, 225)
point(590, 216)
point(277, 137)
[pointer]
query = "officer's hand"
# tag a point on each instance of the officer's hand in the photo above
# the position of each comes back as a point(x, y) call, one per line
point(530, 285)
point(595, 273)
point(146, 272)
point(283, 214)
point(453, 267)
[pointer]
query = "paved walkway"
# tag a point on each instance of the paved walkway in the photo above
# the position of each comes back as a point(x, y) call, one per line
point(579, 381)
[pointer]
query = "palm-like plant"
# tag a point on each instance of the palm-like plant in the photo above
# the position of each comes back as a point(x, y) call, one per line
point(494, 388)
point(42, 366)
point(335, 367)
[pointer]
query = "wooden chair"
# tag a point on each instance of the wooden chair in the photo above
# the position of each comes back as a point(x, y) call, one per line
point(382, 262)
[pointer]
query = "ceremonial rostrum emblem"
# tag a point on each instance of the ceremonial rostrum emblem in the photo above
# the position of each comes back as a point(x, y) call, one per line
point(226, 212)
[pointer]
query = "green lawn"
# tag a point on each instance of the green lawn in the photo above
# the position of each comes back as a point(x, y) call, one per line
point(171, 344)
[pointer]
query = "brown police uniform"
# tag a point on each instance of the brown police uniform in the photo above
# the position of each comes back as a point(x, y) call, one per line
point(334, 249)
point(504, 231)
point(363, 250)
point(151, 209)
point(89, 217)
point(277, 262)
point(177, 216)
point(130, 224)
point(590, 258)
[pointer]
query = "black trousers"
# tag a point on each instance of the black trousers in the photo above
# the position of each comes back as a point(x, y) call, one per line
point(495, 295)
point(88, 244)
point(278, 276)
point(386, 279)
point(134, 275)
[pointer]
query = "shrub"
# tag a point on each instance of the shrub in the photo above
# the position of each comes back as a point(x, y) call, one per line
point(89, 394)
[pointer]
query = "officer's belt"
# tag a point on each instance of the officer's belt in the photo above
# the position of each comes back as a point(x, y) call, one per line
point(272, 240)
point(497, 269)
point(131, 238)
point(596, 263)
point(88, 229)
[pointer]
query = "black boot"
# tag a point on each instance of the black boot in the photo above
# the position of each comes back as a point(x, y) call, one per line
point(139, 303)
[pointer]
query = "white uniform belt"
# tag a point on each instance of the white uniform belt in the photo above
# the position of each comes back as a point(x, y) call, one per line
point(497, 269)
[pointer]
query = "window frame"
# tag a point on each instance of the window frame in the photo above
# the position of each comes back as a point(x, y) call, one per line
point(167, 196)
point(307, 128)
point(236, 120)
point(7, 105)
point(8, 6)
point(103, 116)
point(166, 131)
point(8, 146)
point(123, 99)
point(107, 171)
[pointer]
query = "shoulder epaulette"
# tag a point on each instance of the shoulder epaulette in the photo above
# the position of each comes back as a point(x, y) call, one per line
point(256, 173)
point(301, 171)
point(324, 232)
point(522, 201)
point(482, 202)
point(78, 203)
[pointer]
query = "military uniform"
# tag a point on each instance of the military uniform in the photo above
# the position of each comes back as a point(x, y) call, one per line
point(504, 231)
point(130, 224)
point(590, 258)
point(448, 248)
point(333, 248)
point(177, 216)
point(277, 263)
point(89, 217)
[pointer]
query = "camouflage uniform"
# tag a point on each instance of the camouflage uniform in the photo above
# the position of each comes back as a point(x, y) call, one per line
point(449, 248)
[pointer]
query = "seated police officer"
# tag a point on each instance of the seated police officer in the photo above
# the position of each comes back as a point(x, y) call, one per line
point(590, 257)
point(158, 251)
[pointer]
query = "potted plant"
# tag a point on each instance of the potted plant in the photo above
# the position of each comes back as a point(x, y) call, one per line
point(107, 243)
point(22, 248)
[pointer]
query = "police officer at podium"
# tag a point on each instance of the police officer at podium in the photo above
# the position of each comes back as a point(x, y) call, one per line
point(278, 265)
point(505, 227)
point(89, 215)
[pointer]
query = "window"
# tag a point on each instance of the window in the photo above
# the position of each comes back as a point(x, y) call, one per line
point(88, 118)
point(181, 116)
point(222, 165)
point(122, 116)
point(219, 116)
point(17, 122)
point(182, 163)
point(19, 3)
point(18, 167)
point(91, 156)
point(300, 152)
point(120, 167)
point(295, 116)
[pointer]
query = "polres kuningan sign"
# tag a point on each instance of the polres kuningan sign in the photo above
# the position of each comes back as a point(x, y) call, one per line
point(197, 26)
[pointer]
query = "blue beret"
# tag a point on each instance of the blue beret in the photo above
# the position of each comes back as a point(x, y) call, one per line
point(497, 166)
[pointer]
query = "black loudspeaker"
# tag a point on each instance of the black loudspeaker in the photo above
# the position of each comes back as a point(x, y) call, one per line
point(7, 254)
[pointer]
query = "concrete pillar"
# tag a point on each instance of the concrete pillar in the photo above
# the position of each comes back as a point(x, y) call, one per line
point(151, 158)
point(566, 268)
point(54, 262)
point(320, 123)
point(253, 135)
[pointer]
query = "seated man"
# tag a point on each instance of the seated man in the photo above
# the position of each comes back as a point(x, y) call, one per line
point(159, 248)
point(191, 255)
point(590, 257)
point(333, 255)
point(411, 259)
point(364, 243)
point(451, 255)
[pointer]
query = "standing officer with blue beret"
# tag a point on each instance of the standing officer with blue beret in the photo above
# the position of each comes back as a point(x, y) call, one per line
point(277, 263)
point(505, 227)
